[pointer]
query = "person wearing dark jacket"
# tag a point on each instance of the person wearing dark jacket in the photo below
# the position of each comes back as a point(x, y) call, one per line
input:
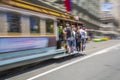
point(67, 33)
point(78, 40)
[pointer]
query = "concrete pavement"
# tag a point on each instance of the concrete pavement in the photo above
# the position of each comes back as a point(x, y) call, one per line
point(100, 67)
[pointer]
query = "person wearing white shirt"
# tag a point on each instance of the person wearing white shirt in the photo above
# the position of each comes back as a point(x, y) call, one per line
point(83, 34)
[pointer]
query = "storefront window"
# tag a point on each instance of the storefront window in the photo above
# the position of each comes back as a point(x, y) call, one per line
point(34, 24)
point(13, 22)
point(49, 26)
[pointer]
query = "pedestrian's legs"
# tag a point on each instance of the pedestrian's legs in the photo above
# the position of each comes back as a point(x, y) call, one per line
point(73, 45)
point(82, 44)
point(68, 43)
point(77, 46)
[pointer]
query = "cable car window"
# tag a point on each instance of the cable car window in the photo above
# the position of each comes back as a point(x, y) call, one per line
point(49, 26)
point(13, 22)
point(34, 24)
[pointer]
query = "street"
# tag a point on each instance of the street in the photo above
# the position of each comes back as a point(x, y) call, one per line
point(101, 62)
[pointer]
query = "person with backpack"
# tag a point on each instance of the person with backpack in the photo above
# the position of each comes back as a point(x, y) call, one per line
point(67, 32)
point(82, 33)
point(78, 40)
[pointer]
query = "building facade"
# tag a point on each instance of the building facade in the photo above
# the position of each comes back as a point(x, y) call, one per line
point(89, 14)
point(110, 17)
point(117, 13)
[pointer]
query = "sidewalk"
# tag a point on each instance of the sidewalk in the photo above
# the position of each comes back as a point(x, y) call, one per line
point(95, 46)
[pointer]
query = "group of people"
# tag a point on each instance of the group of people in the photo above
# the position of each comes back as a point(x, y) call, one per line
point(74, 36)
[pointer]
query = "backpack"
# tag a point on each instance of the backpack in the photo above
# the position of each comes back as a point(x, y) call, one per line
point(68, 30)
point(78, 37)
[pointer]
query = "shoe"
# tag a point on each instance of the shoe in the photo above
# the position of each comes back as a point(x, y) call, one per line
point(79, 52)
point(75, 52)
point(83, 52)
point(72, 53)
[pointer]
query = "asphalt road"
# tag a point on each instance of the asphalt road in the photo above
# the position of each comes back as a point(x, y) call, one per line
point(100, 63)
